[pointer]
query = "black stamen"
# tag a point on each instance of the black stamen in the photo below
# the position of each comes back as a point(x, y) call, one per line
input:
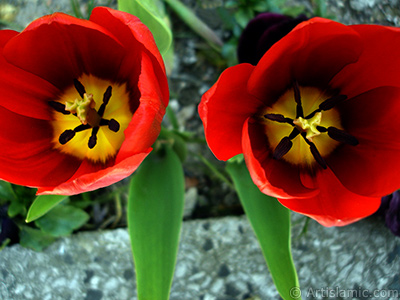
point(107, 95)
point(106, 98)
point(279, 118)
point(104, 122)
point(297, 98)
point(332, 102)
point(113, 125)
point(66, 136)
point(295, 132)
point(312, 114)
point(328, 104)
point(82, 127)
point(317, 156)
point(342, 136)
point(282, 148)
point(314, 151)
point(59, 107)
point(79, 87)
point(321, 129)
point(93, 138)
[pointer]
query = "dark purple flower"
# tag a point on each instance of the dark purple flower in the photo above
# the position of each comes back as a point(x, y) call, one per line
point(262, 32)
point(390, 210)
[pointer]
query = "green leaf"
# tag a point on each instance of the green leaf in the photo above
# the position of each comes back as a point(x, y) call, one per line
point(320, 8)
point(243, 16)
point(62, 220)
point(261, 6)
point(152, 14)
point(169, 58)
point(16, 208)
point(42, 204)
point(293, 11)
point(271, 224)
point(34, 238)
point(6, 192)
point(172, 118)
point(155, 212)
point(229, 52)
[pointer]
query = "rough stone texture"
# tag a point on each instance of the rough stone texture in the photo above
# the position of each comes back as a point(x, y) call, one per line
point(218, 259)
point(385, 12)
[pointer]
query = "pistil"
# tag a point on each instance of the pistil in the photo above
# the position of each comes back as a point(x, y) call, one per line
point(309, 126)
point(85, 110)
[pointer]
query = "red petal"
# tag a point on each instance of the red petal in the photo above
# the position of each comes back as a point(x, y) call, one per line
point(20, 91)
point(334, 205)
point(273, 177)
point(224, 109)
point(134, 35)
point(26, 156)
point(145, 125)
point(372, 168)
point(59, 48)
point(96, 179)
point(311, 54)
point(378, 64)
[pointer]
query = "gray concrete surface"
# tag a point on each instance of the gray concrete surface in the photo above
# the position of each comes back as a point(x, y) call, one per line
point(218, 259)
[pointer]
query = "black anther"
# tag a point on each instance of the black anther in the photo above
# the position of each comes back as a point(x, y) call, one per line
point(66, 136)
point(59, 107)
point(278, 118)
point(314, 151)
point(113, 125)
point(332, 102)
point(342, 136)
point(282, 148)
point(93, 138)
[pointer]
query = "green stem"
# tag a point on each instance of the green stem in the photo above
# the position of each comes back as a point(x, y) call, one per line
point(172, 118)
point(197, 25)
point(221, 176)
point(118, 210)
point(76, 9)
point(90, 7)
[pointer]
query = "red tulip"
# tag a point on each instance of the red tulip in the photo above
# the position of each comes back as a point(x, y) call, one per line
point(317, 119)
point(81, 101)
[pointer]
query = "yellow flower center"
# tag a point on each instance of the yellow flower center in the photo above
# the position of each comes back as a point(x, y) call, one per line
point(303, 126)
point(90, 117)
